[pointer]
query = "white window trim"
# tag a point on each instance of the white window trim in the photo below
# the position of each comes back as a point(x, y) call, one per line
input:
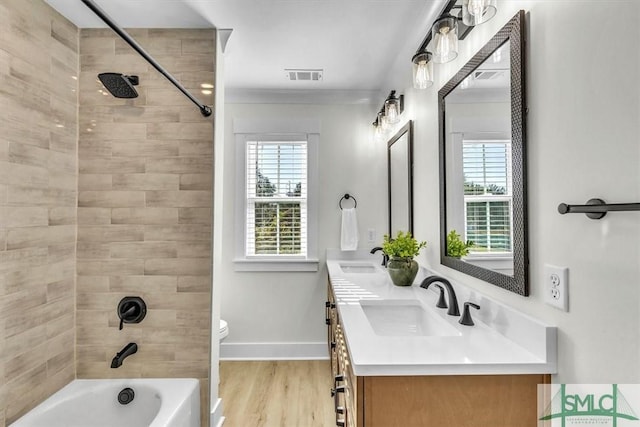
point(284, 130)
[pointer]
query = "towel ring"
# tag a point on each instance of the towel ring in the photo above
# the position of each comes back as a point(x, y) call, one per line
point(348, 196)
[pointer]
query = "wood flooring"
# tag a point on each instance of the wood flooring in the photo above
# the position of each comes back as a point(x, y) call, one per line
point(279, 393)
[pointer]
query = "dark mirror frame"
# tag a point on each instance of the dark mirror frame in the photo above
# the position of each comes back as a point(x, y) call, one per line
point(513, 32)
point(408, 130)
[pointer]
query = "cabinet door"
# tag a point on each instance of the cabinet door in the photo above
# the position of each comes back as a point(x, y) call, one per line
point(331, 319)
point(340, 380)
point(327, 316)
point(347, 388)
point(452, 401)
point(353, 401)
point(351, 396)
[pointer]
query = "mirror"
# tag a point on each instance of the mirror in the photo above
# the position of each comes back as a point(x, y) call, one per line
point(400, 177)
point(482, 163)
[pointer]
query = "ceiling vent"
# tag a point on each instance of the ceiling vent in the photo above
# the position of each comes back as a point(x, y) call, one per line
point(304, 75)
point(487, 74)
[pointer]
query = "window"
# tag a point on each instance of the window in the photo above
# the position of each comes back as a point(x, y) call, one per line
point(276, 198)
point(488, 195)
point(276, 193)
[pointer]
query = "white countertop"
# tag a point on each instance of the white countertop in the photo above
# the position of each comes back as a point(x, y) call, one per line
point(502, 348)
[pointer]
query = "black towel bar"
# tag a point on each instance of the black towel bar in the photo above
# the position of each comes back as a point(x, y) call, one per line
point(597, 208)
point(348, 196)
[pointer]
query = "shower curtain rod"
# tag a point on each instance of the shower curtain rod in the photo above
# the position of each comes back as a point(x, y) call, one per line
point(204, 109)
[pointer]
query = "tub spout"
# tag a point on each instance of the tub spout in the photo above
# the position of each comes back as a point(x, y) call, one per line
point(127, 351)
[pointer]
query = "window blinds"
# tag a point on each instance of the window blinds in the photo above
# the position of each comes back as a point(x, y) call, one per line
point(488, 194)
point(276, 198)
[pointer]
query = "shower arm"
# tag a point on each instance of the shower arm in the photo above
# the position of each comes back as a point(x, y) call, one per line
point(204, 109)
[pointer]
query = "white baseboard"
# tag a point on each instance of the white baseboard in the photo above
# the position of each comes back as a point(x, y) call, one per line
point(216, 418)
point(274, 351)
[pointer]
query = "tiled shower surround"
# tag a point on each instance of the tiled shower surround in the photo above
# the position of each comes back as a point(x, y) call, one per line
point(100, 198)
point(38, 192)
point(144, 207)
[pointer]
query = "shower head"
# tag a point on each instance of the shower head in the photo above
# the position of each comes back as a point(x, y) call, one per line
point(119, 85)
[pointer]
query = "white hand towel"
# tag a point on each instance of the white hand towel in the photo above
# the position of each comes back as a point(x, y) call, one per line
point(349, 232)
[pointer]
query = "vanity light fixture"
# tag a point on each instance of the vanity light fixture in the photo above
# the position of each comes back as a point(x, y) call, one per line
point(445, 33)
point(378, 131)
point(389, 114)
point(476, 12)
point(382, 123)
point(392, 108)
point(422, 70)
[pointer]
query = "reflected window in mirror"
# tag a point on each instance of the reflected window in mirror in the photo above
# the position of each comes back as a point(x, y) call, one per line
point(400, 180)
point(483, 188)
point(479, 167)
point(487, 195)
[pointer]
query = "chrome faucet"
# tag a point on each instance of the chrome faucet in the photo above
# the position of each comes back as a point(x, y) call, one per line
point(127, 351)
point(385, 257)
point(453, 301)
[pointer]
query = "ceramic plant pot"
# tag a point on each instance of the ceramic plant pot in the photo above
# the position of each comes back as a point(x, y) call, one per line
point(402, 270)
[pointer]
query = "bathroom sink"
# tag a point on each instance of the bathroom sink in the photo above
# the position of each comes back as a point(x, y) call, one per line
point(404, 318)
point(358, 268)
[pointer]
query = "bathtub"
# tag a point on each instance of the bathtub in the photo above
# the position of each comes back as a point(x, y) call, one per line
point(94, 403)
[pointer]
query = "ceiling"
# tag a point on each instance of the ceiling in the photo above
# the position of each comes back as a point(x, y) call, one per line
point(354, 42)
point(490, 82)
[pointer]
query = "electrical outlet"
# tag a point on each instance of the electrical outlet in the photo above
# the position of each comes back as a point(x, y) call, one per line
point(371, 235)
point(556, 286)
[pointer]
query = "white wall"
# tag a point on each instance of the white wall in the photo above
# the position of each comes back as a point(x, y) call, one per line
point(583, 65)
point(288, 308)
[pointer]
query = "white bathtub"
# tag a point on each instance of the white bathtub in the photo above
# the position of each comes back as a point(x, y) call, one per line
point(94, 403)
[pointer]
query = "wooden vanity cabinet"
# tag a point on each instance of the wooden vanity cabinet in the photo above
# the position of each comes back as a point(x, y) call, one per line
point(346, 390)
point(427, 400)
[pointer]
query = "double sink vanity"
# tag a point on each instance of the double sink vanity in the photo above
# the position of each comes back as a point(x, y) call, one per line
point(398, 360)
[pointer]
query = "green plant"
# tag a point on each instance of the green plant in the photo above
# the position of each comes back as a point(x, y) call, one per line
point(403, 246)
point(456, 247)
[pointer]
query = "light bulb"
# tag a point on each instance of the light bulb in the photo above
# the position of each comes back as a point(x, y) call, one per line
point(392, 114)
point(446, 46)
point(476, 12)
point(385, 124)
point(422, 78)
point(378, 133)
point(382, 122)
point(422, 70)
point(442, 42)
point(445, 37)
point(392, 109)
point(476, 7)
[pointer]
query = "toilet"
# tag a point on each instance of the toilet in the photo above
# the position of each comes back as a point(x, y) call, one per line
point(224, 330)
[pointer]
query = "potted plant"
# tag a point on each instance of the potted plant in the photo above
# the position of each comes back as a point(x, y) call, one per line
point(456, 247)
point(401, 250)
